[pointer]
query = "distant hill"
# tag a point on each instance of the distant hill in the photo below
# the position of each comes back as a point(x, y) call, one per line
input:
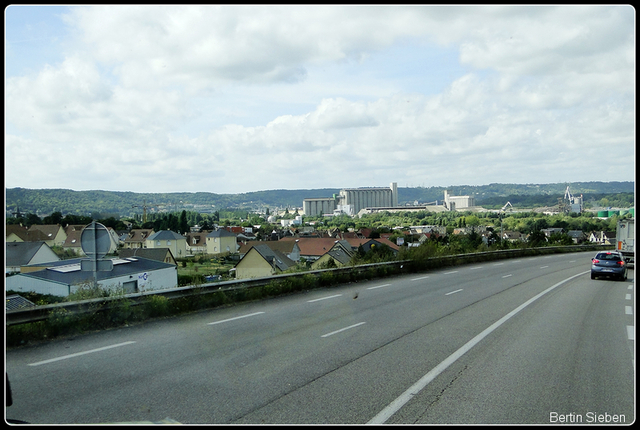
point(115, 203)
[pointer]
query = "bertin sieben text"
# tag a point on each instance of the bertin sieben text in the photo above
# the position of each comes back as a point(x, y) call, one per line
point(588, 418)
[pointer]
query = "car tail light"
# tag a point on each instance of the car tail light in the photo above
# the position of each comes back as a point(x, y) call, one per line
point(595, 261)
point(621, 263)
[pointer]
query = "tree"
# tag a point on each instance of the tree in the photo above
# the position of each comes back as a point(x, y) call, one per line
point(54, 218)
point(537, 238)
point(183, 224)
point(560, 239)
point(472, 220)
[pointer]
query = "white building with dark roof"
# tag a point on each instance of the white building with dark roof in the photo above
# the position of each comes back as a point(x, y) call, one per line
point(65, 277)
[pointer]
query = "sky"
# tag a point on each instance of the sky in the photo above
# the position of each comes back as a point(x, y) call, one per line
point(235, 99)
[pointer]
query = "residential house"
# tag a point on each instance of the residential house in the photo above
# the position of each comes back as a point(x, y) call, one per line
point(338, 256)
point(18, 233)
point(549, 231)
point(261, 261)
point(603, 237)
point(168, 239)
point(137, 238)
point(65, 277)
point(197, 242)
point(20, 254)
point(73, 241)
point(55, 233)
point(424, 237)
point(577, 236)
point(367, 244)
point(157, 254)
point(513, 236)
point(289, 248)
point(312, 248)
point(246, 237)
point(222, 241)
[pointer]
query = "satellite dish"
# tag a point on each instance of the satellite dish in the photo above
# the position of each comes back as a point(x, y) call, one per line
point(95, 240)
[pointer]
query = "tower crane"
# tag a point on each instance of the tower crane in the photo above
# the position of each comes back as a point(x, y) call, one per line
point(144, 210)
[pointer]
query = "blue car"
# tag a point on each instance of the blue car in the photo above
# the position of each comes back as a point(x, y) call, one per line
point(610, 264)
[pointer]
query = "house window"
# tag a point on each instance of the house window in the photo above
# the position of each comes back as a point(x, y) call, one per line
point(168, 242)
point(158, 243)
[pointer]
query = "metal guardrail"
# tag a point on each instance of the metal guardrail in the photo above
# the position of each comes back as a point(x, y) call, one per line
point(41, 313)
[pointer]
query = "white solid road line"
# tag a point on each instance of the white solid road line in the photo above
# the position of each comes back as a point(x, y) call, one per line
point(81, 353)
point(342, 329)
point(235, 318)
point(324, 298)
point(399, 402)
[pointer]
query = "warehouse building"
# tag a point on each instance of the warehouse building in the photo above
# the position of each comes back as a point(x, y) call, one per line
point(65, 277)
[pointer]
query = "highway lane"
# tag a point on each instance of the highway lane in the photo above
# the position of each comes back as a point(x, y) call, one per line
point(342, 355)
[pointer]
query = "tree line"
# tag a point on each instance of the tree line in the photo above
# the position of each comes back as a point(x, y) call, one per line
point(104, 204)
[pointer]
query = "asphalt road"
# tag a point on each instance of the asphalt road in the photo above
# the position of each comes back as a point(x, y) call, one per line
point(532, 340)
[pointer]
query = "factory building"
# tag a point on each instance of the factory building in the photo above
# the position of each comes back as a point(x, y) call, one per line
point(322, 206)
point(352, 200)
point(453, 203)
point(361, 198)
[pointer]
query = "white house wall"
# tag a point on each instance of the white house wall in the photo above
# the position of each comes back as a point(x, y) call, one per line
point(153, 280)
point(26, 284)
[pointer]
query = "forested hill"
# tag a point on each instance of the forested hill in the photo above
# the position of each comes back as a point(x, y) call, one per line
point(115, 203)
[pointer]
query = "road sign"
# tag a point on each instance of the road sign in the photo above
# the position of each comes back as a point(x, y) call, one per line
point(95, 240)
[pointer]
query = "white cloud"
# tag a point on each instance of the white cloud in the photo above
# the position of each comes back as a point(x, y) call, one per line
point(235, 99)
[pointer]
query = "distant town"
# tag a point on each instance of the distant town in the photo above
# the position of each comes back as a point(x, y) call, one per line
point(155, 251)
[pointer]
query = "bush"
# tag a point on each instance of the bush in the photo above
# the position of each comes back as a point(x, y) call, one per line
point(157, 306)
point(85, 291)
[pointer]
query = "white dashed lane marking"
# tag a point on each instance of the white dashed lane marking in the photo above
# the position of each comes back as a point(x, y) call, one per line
point(77, 354)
